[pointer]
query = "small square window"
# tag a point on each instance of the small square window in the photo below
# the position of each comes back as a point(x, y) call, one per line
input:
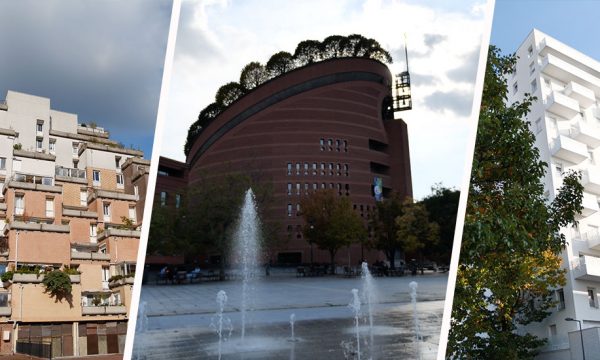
point(96, 176)
point(120, 180)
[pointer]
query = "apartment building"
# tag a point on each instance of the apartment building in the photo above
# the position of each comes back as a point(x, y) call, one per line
point(71, 199)
point(566, 122)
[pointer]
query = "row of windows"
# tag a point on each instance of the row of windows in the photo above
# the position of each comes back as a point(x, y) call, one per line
point(164, 196)
point(315, 169)
point(315, 187)
point(340, 145)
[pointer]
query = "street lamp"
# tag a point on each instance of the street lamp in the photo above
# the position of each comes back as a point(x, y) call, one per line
point(580, 334)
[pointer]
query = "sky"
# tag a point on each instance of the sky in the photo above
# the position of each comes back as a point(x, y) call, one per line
point(572, 22)
point(101, 60)
point(216, 38)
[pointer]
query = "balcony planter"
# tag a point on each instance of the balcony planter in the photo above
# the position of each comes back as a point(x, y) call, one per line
point(75, 279)
point(28, 278)
point(104, 310)
point(5, 310)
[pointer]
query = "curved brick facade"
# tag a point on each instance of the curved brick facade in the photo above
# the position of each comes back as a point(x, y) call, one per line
point(320, 125)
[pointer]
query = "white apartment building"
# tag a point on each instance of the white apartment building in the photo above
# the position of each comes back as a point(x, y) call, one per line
point(566, 123)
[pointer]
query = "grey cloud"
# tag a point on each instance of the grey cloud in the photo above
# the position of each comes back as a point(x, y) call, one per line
point(431, 40)
point(192, 42)
point(103, 61)
point(467, 71)
point(422, 79)
point(458, 102)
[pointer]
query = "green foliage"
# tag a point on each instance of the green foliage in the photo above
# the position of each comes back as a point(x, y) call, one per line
point(415, 231)
point(7, 276)
point(511, 241)
point(206, 116)
point(57, 284)
point(382, 221)
point(442, 206)
point(127, 223)
point(17, 146)
point(330, 221)
point(253, 75)
point(71, 271)
point(279, 64)
point(307, 52)
point(229, 93)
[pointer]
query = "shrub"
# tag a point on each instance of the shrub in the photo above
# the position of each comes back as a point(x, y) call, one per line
point(58, 284)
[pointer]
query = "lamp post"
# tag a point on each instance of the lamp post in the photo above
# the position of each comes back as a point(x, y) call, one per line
point(580, 334)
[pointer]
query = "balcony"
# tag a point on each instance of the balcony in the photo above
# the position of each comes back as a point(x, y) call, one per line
point(583, 95)
point(566, 72)
point(81, 255)
point(122, 281)
point(586, 132)
point(586, 268)
point(28, 278)
point(562, 105)
point(591, 180)
point(70, 174)
point(593, 239)
point(590, 205)
point(104, 310)
point(568, 149)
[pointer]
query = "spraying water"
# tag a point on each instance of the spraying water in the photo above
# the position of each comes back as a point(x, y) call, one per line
point(246, 238)
point(368, 293)
point(292, 321)
point(413, 298)
point(355, 306)
point(142, 321)
point(221, 321)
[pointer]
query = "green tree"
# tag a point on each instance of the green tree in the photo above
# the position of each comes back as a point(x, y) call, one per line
point(166, 236)
point(253, 75)
point(280, 63)
point(307, 52)
point(442, 206)
point(415, 231)
point(229, 93)
point(58, 284)
point(330, 222)
point(333, 47)
point(511, 243)
point(382, 221)
point(206, 116)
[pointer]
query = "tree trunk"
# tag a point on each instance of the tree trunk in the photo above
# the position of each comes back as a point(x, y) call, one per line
point(332, 256)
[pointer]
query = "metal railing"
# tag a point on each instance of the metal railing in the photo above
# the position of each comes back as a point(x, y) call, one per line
point(70, 172)
point(33, 179)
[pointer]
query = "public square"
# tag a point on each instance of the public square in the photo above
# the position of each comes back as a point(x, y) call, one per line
point(179, 319)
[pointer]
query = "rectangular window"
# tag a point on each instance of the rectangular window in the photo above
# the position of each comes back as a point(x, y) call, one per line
point(530, 51)
point(534, 85)
point(289, 209)
point(2, 163)
point(538, 125)
point(136, 190)
point(323, 186)
point(306, 168)
point(337, 145)
point(592, 298)
point(96, 176)
point(345, 146)
point(132, 215)
point(38, 144)
point(330, 144)
point(315, 186)
point(52, 146)
point(314, 169)
point(297, 188)
point(346, 169)
point(83, 197)
point(105, 276)
point(322, 143)
point(552, 330)
point(289, 188)
point(40, 127)
point(93, 233)
point(297, 209)
point(306, 187)
point(177, 201)
point(118, 162)
point(50, 207)
point(75, 149)
point(120, 180)
point(289, 168)
point(19, 204)
point(106, 211)
point(560, 297)
point(322, 168)
point(298, 168)
point(163, 198)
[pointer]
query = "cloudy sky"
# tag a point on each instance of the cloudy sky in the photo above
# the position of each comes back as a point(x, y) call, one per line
point(100, 60)
point(216, 38)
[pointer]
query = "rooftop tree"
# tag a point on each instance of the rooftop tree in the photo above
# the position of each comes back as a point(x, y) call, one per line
point(510, 258)
point(307, 52)
point(280, 63)
point(253, 75)
point(229, 93)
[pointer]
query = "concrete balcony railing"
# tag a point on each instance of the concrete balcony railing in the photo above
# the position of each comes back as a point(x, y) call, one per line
point(586, 268)
point(591, 180)
point(121, 282)
point(566, 72)
point(586, 132)
point(32, 226)
point(590, 205)
point(583, 95)
point(38, 278)
point(562, 105)
point(592, 238)
point(80, 255)
point(104, 310)
point(5, 310)
point(119, 232)
point(569, 149)
point(70, 175)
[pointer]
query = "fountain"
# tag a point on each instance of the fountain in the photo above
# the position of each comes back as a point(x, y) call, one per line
point(413, 298)
point(221, 320)
point(292, 321)
point(246, 238)
point(142, 321)
point(355, 306)
point(368, 294)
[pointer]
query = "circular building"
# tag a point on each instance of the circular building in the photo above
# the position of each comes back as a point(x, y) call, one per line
point(327, 125)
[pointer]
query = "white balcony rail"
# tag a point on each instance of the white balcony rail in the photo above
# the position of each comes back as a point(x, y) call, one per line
point(70, 172)
point(33, 179)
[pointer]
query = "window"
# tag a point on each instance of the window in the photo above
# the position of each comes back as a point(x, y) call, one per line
point(75, 149)
point(297, 168)
point(50, 207)
point(2, 163)
point(38, 144)
point(306, 187)
point(534, 86)
point(530, 51)
point(515, 88)
point(46, 180)
point(306, 168)
point(96, 176)
point(120, 180)
point(346, 169)
point(552, 330)
point(330, 144)
point(289, 209)
point(297, 188)
point(19, 204)
point(132, 215)
point(347, 188)
point(40, 127)
point(322, 168)
point(531, 68)
point(322, 143)
point(52, 145)
point(136, 190)
point(345, 146)
point(315, 186)
point(560, 297)
point(177, 201)
point(289, 188)
point(538, 125)
point(297, 209)
point(323, 186)
point(105, 276)
point(314, 169)
point(592, 298)
point(289, 168)
point(106, 211)
point(330, 168)
point(93, 233)
point(83, 197)
point(337, 168)
point(337, 145)
point(118, 162)
point(75, 163)
point(290, 228)
point(163, 198)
